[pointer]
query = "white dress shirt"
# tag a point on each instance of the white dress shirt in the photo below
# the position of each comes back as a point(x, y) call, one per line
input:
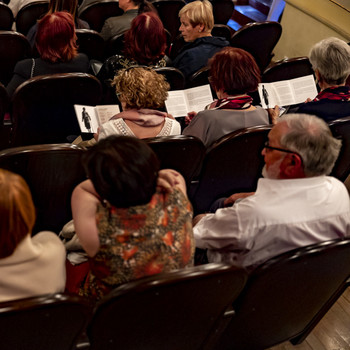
point(282, 215)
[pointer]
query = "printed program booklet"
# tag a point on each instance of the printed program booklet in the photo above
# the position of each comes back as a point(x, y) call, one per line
point(90, 118)
point(287, 92)
point(181, 102)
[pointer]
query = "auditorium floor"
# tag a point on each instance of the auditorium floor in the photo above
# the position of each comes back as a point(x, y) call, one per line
point(332, 333)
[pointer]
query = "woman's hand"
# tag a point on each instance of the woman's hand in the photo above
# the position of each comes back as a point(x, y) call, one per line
point(274, 114)
point(232, 199)
point(190, 116)
point(168, 179)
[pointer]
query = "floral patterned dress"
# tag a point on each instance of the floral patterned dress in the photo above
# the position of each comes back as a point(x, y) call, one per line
point(140, 241)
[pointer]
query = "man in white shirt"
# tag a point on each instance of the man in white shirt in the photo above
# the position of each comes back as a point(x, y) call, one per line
point(295, 204)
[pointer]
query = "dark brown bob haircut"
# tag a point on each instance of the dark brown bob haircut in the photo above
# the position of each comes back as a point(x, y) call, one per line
point(123, 169)
point(234, 71)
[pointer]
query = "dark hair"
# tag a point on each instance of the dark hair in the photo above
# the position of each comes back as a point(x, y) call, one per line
point(63, 5)
point(144, 6)
point(123, 169)
point(55, 38)
point(146, 39)
point(234, 71)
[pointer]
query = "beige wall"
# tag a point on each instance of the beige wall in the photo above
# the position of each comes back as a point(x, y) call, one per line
point(305, 22)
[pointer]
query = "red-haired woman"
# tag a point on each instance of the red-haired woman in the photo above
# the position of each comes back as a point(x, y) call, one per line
point(56, 44)
point(145, 44)
point(233, 73)
point(29, 266)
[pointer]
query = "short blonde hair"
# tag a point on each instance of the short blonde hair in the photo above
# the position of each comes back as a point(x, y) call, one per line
point(141, 88)
point(199, 12)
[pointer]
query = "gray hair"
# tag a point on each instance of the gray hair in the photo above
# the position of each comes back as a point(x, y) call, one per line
point(331, 57)
point(311, 138)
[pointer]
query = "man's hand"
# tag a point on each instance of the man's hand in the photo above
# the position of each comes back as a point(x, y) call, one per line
point(232, 199)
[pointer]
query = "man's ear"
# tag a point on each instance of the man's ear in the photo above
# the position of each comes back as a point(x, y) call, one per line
point(292, 167)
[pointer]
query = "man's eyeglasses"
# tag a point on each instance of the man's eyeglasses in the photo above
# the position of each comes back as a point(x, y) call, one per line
point(266, 145)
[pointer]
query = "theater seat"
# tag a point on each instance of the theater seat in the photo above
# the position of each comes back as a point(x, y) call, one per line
point(52, 171)
point(13, 48)
point(287, 296)
point(6, 17)
point(232, 165)
point(43, 109)
point(91, 43)
point(259, 39)
point(175, 310)
point(52, 321)
point(28, 15)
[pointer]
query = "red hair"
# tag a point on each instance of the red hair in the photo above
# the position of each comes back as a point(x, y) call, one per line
point(55, 38)
point(234, 71)
point(145, 41)
point(17, 212)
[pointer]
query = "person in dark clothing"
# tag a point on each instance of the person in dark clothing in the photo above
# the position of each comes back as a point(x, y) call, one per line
point(330, 59)
point(197, 21)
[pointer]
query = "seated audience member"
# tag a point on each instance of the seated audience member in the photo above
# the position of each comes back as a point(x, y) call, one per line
point(141, 92)
point(16, 5)
point(58, 6)
point(29, 266)
point(120, 24)
point(197, 21)
point(296, 204)
point(233, 73)
point(56, 44)
point(330, 59)
point(129, 227)
point(145, 44)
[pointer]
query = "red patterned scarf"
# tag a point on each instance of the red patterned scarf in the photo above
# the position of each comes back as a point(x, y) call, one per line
point(232, 102)
point(338, 93)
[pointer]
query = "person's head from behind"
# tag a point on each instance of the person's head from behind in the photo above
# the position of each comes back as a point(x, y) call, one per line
point(139, 88)
point(123, 170)
point(330, 59)
point(141, 5)
point(17, 212)
point(196, 19)
point(234, 71)
point(63, 5)
point(56, 38)
point(146, 39)
point(300, 145)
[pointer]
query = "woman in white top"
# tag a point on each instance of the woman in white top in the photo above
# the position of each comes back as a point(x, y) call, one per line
point(141, 92)
point(29, 266)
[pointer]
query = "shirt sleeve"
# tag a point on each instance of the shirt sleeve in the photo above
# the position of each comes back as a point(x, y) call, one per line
point(220, 231)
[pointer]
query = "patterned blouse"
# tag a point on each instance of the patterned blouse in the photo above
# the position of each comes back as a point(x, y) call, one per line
point(140, 241)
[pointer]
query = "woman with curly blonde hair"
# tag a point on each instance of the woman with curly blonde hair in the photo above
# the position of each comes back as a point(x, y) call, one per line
point(141, 92)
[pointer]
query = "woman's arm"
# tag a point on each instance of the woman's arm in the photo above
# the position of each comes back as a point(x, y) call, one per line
point(84, 206)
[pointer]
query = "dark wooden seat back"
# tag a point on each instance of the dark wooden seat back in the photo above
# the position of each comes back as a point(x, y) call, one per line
point(182, 153)
point(341, 129)
point(287, 296)
point(43, 109)
point(44, 322)
point(29, 14)
point(259, 39)
point(222, 30)
point(91, 43)
point(174, 77)
point(233, 164)
point(6, 17)
point(168, 11)
point(51, 171)
point(175, 310)
point(96, 13)
point(222, 10)
point(289, 68)
point(13, 48)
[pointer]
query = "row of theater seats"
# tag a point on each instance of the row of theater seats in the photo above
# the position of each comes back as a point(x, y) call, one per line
point(212, 306)
point(42, 108)
point(232, 165)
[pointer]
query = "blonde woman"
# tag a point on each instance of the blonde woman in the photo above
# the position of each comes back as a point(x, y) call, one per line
point(197, 21)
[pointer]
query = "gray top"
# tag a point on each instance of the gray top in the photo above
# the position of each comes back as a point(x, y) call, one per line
point(210, 125)
point(118, 25)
